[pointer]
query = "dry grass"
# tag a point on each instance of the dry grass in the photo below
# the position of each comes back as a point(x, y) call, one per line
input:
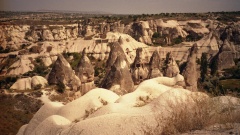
point(15, 112)
point(185, 117)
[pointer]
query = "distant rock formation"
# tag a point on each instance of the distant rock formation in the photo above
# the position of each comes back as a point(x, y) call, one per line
point(85, 72)
point(142, 32)
point(21, 66)
point(119, 79)
point(155, 66)
point(62, 72)
point(190, 72)
point(116, 51)
point(139, 69)
point(172, 68)
point(224, 58)
point(36, 82)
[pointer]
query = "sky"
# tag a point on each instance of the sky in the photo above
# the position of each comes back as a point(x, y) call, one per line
point(122, 6)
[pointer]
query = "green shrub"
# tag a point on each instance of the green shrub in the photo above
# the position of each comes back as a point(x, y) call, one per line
point(76, 58)
point(7, 50)
point(7, 82)
point(61, 87)
point(203, 66)
point(182, 66)
point(39, 69)
point(37, 87)
point(177, 40)
point(156, 35)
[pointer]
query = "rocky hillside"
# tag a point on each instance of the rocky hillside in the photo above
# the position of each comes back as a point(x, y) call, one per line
point(152, 108)
point(137, 71)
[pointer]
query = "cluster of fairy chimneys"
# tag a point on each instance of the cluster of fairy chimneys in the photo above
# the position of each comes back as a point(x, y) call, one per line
point(121, 76)
point(82, 79)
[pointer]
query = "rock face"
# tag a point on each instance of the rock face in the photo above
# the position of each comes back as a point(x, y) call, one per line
point(155, 66)
point(142, 32)
point(21, 66)
point(50, 33)
point(172, 68)
point(62, 72)
point(116, 51)
point(190, 72)
point(36, 82)
point(149, 109)
point(225, 57)
point(85, 72)
point(119, 79)
point(139, 69)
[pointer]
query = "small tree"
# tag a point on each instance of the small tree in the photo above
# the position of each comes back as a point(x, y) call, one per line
point(203, 66)
point(61, 87)
point(214, 66)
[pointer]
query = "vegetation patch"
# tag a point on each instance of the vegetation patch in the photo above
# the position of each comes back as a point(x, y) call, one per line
point(7, 81)
point(11, 116)
point(76, 57)
point(39, 68)
point(232, 85)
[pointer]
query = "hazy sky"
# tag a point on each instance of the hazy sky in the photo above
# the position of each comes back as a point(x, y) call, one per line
point(122, 6)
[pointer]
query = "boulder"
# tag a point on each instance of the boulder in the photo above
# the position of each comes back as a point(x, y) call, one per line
point(36, 82)
point(62, 72)
point(119, 79)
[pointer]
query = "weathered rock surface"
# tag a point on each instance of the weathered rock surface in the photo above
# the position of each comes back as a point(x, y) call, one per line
point(190, 72)
point(129, 45)
point(151, 108)
point(85, 72)
point(116, 51)
point(225, 57)
point(21, 66)
point(12, 36)
point(36, 82)
point(62, 72)
point(119, 79)
point(139, 68)
point(172, 68)
point(155, 66)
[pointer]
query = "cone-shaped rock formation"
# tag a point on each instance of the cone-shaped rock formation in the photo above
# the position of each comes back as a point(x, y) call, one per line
point(190, 72)
point(62, 72)
point(139, 69)
point(85, 72)
point(119, 79)
point(225, 57)
point(172, 68)
point(116, 50)
point(155, 66)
